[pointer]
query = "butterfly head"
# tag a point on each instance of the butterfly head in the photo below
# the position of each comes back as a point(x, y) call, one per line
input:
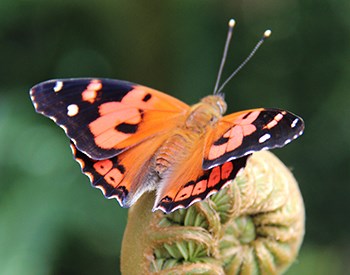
point(216, 103)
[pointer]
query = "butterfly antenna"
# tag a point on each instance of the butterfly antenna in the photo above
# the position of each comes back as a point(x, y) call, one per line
point(231, 24)
point(266, 35)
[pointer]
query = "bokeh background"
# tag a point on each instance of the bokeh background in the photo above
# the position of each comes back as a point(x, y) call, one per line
point(53, 222)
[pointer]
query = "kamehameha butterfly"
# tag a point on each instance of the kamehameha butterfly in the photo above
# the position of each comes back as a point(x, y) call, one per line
point(130, 139)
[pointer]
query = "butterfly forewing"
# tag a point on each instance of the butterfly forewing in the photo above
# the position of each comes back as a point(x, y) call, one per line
point(245, 132)
point(103, 117)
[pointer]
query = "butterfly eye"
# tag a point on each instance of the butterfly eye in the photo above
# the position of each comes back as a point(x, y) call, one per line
point(213, 119)
point(222, 106)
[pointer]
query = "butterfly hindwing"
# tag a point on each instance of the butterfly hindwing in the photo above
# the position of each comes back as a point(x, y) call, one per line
point(97, 171)
point(126, 176)
point(204, 184)
point(103, 117)
point(245, 132)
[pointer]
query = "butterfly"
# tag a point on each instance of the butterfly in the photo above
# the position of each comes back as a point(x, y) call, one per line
point(130, 139)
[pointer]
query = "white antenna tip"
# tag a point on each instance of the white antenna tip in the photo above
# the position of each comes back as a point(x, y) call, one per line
point(267, 33)
point(231, 23)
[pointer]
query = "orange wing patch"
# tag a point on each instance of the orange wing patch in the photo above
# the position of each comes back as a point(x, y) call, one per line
point(277, 118)
point(134, 117)
point(233, 137)
point(103, 166)
point(226, 170)
point(199, 188)
point(91, 91)
point(214, 177)
point(119, 120)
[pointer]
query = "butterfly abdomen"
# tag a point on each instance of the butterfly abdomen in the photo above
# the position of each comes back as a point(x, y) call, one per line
point(173, 151)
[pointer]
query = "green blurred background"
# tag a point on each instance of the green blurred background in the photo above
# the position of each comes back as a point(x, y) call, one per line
point(53, 222)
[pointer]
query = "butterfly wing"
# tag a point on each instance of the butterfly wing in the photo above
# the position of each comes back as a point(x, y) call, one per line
point(104, 117)
point(245, 132)
point(126, 176)
point(226, 149)
point(189, 183)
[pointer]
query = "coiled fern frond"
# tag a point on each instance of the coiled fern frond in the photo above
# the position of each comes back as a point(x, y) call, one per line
point(254, 226)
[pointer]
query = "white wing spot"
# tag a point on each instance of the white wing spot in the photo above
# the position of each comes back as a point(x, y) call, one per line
point(82, 164)
point(33, 98)
point(53, 118)
point(279, 116)
point(72, 110)
point(172, 210)
point(294, 123)
point(212, 192)
point(114, 197)
point(287, 141)
point(74, 151)
point(58, 87)
point(194, 201)
point(265, 137)
point(64, 128)
point(98, 186)
point(226, 184)
point(34, 103)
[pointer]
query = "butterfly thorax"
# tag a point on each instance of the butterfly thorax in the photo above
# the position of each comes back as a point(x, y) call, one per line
point(205, 113)
point(180, 145)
